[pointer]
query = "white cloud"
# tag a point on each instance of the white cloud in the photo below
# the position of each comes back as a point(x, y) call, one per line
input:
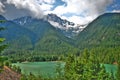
point(49, 1)
point(79, 19)
point(60, 10)
point(34, 8)
point(116, 11)
point(81, 9)
point(46, 1)
point(1, 7)
point(30, 5)
point(46, 7)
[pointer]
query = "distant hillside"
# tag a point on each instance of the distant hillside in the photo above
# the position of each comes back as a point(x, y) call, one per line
point(36, 35)
point(103, 31)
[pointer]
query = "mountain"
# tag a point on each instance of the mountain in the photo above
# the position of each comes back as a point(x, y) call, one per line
point(38, 35)
point(63, 24)
point(103, 31)
point(68, 28)
point(37, 26)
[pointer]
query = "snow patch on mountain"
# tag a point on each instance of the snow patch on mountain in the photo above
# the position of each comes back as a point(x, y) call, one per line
point(57, 25)
point(23, 20)
point(64, 24)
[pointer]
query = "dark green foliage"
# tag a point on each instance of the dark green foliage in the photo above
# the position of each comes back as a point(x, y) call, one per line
point(7, 63)
point(85, 67)
point(16, 68)
point(107, 55)
point(2, 59)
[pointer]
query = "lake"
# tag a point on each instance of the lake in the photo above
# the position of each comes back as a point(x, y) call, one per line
point(39, 68)
point(46, 69)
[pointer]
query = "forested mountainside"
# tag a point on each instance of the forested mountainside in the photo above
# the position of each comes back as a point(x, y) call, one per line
point(37, 35)
point(104, 31)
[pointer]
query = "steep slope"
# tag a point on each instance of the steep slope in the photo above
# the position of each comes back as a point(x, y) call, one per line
point(37, 35)
point(103, 31)
point(54, 42)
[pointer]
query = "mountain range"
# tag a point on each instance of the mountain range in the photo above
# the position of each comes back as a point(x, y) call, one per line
point(28, 33)
point(55, 35)
point(69, 29)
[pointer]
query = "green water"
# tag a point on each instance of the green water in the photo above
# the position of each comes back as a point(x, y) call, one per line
point(111, 68)
point(39, 68)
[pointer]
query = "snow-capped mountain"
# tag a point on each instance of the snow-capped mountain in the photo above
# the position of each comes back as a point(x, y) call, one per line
point(69, 29)
point(64, 24)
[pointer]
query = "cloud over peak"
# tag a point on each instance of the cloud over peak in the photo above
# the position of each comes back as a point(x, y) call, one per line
point(78, 11)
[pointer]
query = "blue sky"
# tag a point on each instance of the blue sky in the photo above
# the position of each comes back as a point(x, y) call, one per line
point(77, 11)
point(114, 6)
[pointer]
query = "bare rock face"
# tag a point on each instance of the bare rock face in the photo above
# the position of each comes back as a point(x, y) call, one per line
point(8, 74)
